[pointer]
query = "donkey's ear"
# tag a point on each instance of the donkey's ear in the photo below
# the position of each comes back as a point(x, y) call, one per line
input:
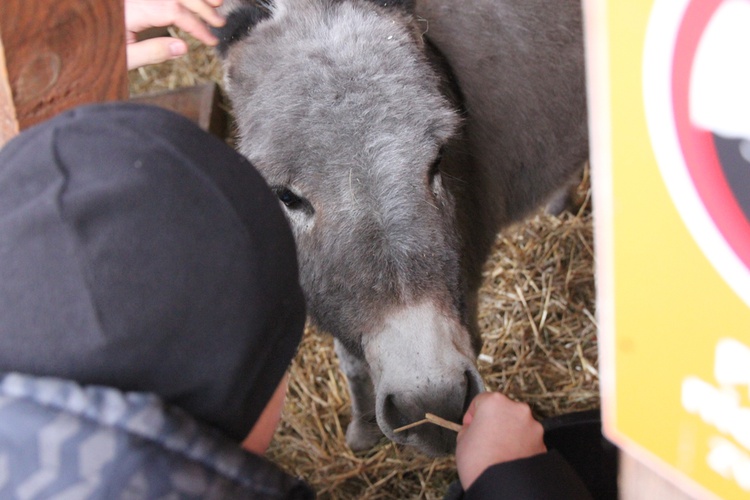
point(407, 5)
point(240, 21)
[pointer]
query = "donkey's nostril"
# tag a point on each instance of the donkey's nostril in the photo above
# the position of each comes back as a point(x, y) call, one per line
point(467, 396)
point(472, 389)
point(394, 418)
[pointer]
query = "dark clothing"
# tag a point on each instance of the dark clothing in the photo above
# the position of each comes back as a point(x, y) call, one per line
point(545, 476)
point(541, 477)
point(101, 443)
point(578, 438)
point(139, 252)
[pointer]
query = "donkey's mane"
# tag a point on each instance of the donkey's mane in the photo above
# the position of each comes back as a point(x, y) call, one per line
point(239, 23)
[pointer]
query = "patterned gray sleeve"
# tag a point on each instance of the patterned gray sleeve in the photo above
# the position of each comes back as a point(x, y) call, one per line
point(60, 440)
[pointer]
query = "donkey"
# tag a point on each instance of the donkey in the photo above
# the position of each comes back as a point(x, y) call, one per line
point(400, 137)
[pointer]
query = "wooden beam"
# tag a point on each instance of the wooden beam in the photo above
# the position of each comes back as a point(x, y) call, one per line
point(59, 54)
point(638, 481)
point(8, 120)
point(201, 103)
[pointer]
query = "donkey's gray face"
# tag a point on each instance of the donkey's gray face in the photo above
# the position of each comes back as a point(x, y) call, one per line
point(340, 110)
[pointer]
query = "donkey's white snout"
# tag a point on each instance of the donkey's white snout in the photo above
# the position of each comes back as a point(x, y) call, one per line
point(422, 362)
point(399, 409)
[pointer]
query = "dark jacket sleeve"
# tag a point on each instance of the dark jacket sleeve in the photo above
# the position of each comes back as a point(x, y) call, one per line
point(544, 476)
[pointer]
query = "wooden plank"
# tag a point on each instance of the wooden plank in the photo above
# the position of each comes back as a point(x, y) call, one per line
point(638, 482)
point(60, 54)
point(200, 103)
point(8, 120)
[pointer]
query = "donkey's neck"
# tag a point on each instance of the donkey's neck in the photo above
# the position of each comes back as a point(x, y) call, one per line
point(462, 179)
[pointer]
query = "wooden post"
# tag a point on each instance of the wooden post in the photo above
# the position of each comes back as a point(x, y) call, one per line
point(58, 54)
point(200, 103)
point(8, 120)
point(638, 481)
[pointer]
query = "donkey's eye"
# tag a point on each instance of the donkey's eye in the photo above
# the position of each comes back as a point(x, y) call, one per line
point(288, 198)
point(435, 167)
point(293, 202)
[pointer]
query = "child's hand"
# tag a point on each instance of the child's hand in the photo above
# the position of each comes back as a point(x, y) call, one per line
point(495, 429)
point(189, 15)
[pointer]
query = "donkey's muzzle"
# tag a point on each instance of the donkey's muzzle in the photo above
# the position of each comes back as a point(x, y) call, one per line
point(448, 400)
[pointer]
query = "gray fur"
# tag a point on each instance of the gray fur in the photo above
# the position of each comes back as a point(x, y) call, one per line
point(344, 107)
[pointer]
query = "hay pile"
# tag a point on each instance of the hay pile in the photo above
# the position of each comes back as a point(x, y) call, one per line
point(540, 345)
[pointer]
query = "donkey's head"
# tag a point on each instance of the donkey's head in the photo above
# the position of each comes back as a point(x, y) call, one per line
point(345, 112)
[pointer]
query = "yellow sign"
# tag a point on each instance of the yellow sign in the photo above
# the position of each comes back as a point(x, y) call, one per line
point(669, 84)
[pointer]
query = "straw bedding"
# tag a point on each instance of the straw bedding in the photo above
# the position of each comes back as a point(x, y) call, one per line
point(537, 321)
